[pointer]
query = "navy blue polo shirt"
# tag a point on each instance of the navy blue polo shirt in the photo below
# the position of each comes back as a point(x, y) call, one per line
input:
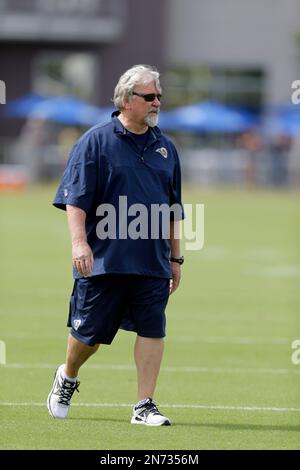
point(106, 163)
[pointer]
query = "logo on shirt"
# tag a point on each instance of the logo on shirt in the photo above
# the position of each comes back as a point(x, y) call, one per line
point(163, 151)
point(76, 324)
point(66, 192)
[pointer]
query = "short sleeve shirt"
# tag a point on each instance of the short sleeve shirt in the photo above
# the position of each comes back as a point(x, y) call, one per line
point(118, 184)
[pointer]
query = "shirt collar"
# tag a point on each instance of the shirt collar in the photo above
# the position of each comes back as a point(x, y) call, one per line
point(155, 132)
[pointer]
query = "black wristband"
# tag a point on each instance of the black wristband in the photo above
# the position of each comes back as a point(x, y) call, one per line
point(179, 260)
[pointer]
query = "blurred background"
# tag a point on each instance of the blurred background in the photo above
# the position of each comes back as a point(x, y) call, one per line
point(227, 69)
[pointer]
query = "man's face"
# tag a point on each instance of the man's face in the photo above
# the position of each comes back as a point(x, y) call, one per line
point(142, 111)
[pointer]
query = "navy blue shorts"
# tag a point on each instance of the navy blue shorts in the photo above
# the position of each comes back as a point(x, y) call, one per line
point(100, 305)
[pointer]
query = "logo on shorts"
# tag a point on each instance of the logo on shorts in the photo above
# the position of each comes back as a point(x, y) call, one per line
point(76, 324)
point(163, 151)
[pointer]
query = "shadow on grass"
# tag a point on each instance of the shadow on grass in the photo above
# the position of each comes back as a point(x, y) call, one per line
point(224, 426)
point(108, 420)
point(243, 427)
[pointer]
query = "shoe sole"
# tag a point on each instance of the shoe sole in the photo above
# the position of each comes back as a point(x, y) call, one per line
point(165, 423)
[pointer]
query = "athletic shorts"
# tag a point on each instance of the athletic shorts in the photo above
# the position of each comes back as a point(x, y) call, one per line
point(100, 305)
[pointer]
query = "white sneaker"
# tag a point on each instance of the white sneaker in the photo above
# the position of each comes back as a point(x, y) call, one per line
point(146, 412)
point(59, 398)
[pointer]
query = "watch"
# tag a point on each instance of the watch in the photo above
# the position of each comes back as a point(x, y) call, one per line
point(179, 260)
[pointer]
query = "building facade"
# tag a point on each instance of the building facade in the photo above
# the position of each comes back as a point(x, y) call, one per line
point(75, 47)
point(235, 51)
point(238, 51)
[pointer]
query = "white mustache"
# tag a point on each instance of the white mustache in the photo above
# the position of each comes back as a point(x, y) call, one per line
point(154, 110)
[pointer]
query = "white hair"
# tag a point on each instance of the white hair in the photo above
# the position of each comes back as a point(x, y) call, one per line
point(136, 75)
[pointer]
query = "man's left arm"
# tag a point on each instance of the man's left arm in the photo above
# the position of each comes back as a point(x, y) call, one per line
point(175, 253)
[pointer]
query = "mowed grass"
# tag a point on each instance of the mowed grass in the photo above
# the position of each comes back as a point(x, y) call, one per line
point(227, 380)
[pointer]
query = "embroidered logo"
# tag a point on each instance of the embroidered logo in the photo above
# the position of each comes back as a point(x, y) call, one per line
point(76, 324)
point(163, 151)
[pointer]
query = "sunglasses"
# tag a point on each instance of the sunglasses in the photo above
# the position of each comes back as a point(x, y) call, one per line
point(149, 97)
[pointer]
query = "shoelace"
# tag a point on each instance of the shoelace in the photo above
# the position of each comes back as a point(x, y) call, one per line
point(66, 393)
point(149, 407)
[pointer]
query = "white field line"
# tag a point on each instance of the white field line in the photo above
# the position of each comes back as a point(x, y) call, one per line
point(183, 339)
point(230, 340)
point(281, 271)
point(258, 254)
point(213, 370)
point(176, 406)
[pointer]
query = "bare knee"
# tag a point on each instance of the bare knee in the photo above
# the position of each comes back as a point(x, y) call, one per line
point(95, 348)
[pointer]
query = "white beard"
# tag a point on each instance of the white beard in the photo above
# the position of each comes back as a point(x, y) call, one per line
point(151, 120)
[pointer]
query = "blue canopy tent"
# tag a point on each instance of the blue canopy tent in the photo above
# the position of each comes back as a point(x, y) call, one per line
point(66, 110)
point(104, 114)
point(23, 106)
point(62, 109)
point(284, 120)
point(208, 116)
point(165, 121)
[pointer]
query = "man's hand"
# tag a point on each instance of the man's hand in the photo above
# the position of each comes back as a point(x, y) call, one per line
point(82, 255)
point(82, 258)
point(176, 275)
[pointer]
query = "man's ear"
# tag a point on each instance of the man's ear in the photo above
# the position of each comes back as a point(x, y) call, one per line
point(127, 102)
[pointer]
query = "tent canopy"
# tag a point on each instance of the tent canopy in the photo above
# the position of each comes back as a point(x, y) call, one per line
point(63, 109)
point(209, 116)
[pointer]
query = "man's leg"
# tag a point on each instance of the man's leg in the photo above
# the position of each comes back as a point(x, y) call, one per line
point(65, 380)
point(148, 354)
point(77, 354)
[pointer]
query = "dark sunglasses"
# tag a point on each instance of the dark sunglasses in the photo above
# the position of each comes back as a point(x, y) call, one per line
point(148, 96)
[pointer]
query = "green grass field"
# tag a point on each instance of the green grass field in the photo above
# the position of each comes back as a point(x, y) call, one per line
point(227, 380)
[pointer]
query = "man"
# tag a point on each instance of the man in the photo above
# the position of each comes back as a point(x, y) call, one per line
point(121, 280)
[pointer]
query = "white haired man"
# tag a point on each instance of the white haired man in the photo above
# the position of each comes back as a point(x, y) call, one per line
point(121, 281)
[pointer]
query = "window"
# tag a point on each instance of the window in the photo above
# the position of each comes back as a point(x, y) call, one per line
point(229, 85)
point(57, 73)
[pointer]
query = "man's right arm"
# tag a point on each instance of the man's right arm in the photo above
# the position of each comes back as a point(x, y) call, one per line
point(82, 255)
